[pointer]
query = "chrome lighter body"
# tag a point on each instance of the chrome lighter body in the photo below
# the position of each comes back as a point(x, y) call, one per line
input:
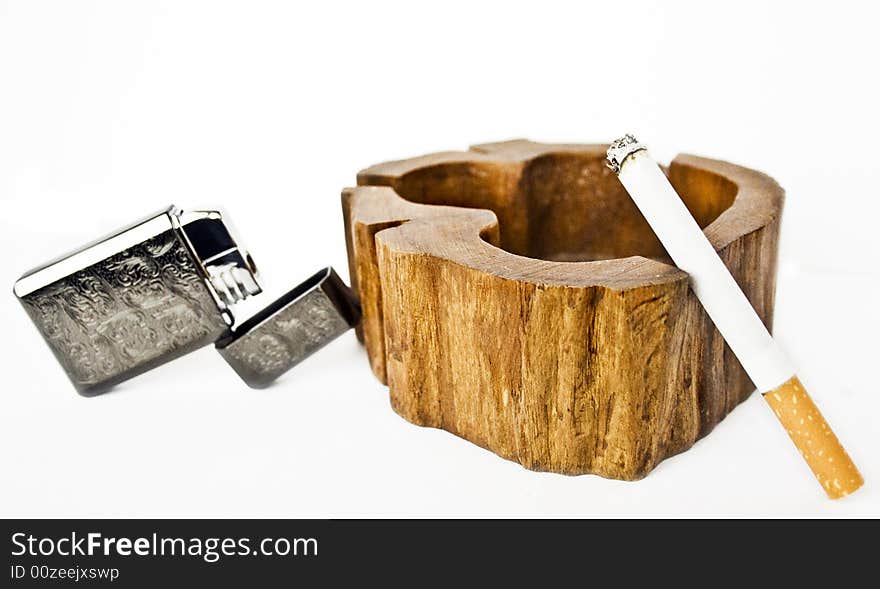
point(148, 294)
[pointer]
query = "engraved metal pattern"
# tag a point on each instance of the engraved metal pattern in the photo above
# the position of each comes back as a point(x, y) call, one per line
point(292, 333)
point(125, 314)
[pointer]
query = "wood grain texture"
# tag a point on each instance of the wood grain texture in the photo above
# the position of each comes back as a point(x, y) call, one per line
point(514, 295)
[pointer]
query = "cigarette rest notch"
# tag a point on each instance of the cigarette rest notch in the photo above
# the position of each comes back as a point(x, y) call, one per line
point(563, 205)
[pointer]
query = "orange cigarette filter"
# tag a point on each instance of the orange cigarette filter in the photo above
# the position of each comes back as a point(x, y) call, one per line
point(812, 435)
point(766, 364)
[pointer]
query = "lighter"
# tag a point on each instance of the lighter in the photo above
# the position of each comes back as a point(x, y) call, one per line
point(166, 286)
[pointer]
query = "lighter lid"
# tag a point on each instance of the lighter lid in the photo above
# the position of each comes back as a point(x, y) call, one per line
point(290, 329)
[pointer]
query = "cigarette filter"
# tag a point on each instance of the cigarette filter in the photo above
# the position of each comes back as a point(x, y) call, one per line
point(739, 324)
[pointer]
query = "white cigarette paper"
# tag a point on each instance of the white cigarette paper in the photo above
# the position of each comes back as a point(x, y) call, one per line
point(733, 315)
point(721, 296)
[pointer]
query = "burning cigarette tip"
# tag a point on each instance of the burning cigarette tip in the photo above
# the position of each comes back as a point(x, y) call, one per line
point(620, 149)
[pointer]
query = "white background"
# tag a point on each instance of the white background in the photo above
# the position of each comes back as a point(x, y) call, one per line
point(111, 110)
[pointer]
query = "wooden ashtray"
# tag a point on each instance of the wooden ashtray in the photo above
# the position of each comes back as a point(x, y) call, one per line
point(514, 295)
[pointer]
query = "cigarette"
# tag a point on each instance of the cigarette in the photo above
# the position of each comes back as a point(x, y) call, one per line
point(733, 315)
